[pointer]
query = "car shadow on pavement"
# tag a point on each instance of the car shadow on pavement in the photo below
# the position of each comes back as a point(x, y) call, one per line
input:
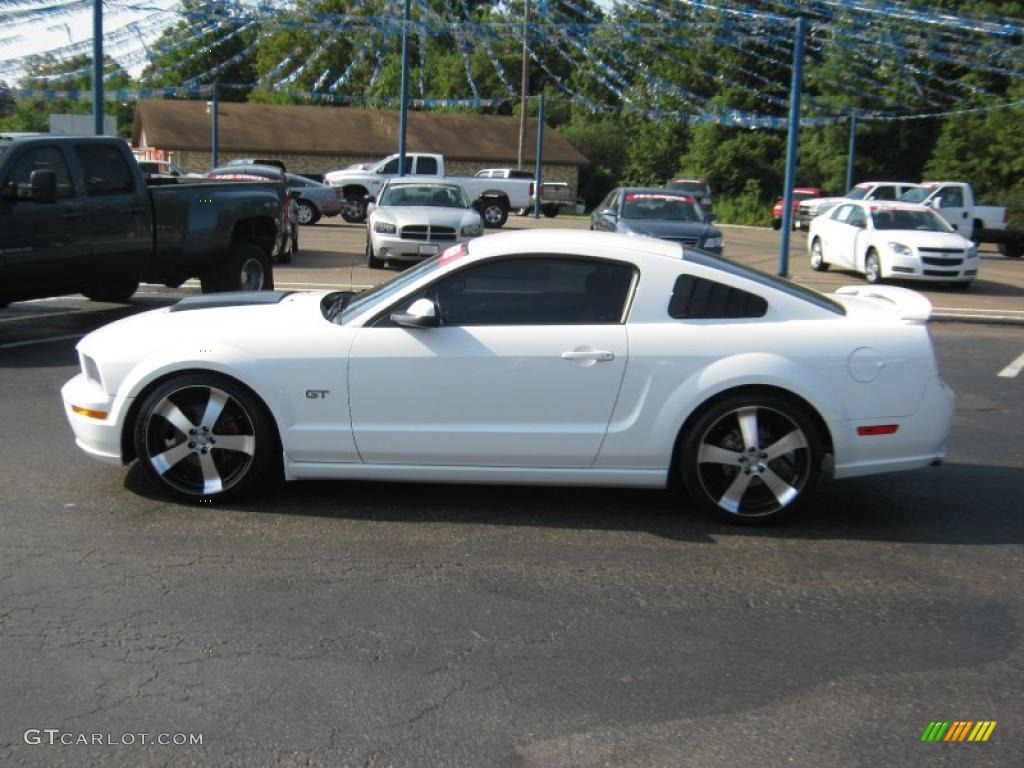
point(953, 504)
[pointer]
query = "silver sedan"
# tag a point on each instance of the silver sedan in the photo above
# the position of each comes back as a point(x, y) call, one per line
point(414, 220)
point(315, 199)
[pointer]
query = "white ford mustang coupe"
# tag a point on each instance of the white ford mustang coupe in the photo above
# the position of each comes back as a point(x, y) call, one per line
point(543, 357)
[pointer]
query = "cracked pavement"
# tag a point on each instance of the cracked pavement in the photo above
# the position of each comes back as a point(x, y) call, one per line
point(354, 624)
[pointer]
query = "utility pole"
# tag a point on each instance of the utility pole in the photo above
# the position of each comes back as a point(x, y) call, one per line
point(796, 86)
point(403, 115)
point(525, 86)
point(97, 67)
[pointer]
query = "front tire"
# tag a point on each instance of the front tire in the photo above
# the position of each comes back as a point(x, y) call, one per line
point(371, 260)
point(247, 269)
point(751, 459)
point(117, 291)
point(872, 267)
point(204, 437)
point(354, 210)
point(818, 263)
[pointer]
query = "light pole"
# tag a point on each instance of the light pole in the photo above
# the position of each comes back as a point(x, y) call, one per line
point(97, 67)
point(213, 109)
point(403, 115)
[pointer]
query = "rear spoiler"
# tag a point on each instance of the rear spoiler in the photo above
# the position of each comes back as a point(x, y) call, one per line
point(911, 305)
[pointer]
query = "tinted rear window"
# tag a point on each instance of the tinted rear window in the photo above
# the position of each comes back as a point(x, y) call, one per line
point(761, 278)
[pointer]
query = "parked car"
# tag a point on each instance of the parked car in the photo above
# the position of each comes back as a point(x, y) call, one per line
point(892, 240)
point(76, 216)
point(536, 357)
point(269, 174)
point(414, 220)
point(314, 200)
point(799, 195)
point(271, 161)
point(662, 213)
point(954, 201)
point(497, 196)
point(868, 190)
point(158, 168)
point(699, 188)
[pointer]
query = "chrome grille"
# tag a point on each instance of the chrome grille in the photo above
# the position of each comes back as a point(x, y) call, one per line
point(429, 233)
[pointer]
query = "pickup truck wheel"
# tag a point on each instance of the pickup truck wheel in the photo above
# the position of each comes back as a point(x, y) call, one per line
point(247, 269)
point(550, 210)
point(204, 437)
point(372, 261)
point(354, 211)
point(112, 290)
point(776, 224)
point(307, 213)
point(1011, 251)
point(494, 213)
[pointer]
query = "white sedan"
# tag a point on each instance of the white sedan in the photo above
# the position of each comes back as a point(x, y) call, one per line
point(892, 240)
point(414, 220)
point(536, 357)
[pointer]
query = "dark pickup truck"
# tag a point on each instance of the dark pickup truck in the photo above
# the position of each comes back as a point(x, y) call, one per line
point(77, 216)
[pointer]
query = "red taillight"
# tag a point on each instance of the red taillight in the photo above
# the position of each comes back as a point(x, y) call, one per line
point(877, 429)
point(531, 189)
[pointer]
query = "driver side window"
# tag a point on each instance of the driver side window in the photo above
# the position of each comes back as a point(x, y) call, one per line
point(39, 159)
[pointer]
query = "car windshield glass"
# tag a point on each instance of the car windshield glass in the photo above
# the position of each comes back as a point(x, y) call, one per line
point(424, 194)
point(647, 205)
point(895, 218)
point(3, 148)
point(694, 187)
point(804, 195)
point(915, 195)
point(388, 288)
point(731, 267)
point(857, 193)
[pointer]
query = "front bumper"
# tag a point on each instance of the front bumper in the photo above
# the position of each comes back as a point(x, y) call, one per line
point(912, 267)
point(98, 437)
point(395, 248)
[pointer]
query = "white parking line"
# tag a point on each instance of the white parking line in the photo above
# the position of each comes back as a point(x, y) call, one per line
point(41, 341)
point(1011, 371)
point(42, 314)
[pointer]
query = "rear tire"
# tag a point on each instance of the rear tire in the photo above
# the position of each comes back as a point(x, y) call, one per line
point(818, 263)
point(117, 291)
point(204, 437)
point(247, 269)
point(872, 268)
point(1011, 250)
point(550, 210)
point(751, 459)
point(494, 213)
point(307, 213)
point(354, 210)
point(776, 224)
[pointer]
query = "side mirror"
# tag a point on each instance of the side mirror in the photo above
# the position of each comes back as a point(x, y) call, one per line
point(709, 217)
point(609, 213)
point(294, 194)
point(369, 199)
point(44, 186)
point(935, 202)
point(421, 314)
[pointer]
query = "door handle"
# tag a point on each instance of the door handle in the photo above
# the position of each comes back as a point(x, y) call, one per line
point(598, 355)
point(71, 215)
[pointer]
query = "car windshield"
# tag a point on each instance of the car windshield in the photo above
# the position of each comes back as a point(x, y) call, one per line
point(693, 187)
point(388, 288)
point(896, 218)
point(915, 195)
point(424, 194)
point(804, 195)
point(3, 148)
point(647, 205)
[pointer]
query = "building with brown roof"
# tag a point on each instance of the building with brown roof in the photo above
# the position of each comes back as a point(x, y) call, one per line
point(315, 139)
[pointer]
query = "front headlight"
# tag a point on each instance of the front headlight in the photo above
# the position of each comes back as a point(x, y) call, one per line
point(900, 249)
point(972, 252)
point(713, 242)
point(384, 228)
point(472, 230)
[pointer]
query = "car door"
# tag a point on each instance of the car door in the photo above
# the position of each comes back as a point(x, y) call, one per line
point(41, 244)
point(120, 230)
point(523, 370)
point(837, 235)
point(950, 205)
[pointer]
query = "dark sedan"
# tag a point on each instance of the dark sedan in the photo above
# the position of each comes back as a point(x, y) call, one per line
point(660, 213)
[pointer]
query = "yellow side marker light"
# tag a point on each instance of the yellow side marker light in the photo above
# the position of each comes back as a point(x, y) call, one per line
point(101, 415)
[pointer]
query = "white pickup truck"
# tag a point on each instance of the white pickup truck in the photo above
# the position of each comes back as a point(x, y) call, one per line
point(866, 190)
point(554, 196)
point(497, 195)
point(954, 201)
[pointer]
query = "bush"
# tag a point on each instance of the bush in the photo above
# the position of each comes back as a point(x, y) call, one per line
point(745, 208)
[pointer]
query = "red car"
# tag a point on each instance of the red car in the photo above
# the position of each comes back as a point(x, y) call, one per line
point(799, 193)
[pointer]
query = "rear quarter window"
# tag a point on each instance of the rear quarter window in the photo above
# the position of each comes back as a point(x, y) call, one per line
point(697, 298)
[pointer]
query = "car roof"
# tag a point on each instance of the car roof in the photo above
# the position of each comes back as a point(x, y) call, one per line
point(266, 169)
point(573, 242)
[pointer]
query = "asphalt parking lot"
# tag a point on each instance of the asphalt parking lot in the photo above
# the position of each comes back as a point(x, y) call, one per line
point(357, 624)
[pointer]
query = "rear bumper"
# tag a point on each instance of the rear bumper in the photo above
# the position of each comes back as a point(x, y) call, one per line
point(98, 437)
point(920, 441)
